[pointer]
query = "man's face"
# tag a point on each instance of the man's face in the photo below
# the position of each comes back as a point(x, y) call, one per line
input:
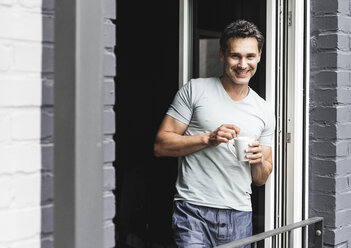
point(240, 59)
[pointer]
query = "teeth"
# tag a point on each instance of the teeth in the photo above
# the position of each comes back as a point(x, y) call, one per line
point(242, 74)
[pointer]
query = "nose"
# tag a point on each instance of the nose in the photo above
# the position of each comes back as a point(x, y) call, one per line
point(242, 63)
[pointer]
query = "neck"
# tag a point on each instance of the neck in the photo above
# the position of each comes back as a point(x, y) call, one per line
point(236, 91)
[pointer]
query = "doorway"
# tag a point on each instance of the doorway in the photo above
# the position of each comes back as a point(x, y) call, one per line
point(209, 18)
point(147, 79)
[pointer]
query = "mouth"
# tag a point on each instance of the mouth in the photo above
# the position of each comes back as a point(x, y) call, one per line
point(242, 74)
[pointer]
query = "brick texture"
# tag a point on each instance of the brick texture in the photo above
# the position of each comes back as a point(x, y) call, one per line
point(20, 122)
point(330, 120)
point(47, 197)
point(26, 123)
point(109, 122)
point(47, 124)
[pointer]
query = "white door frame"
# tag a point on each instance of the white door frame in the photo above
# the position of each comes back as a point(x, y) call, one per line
point(185, 41)
point(271, 99)
point(295, 112)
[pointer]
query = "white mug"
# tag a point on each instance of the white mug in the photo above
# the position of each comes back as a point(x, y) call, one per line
point(239, 146)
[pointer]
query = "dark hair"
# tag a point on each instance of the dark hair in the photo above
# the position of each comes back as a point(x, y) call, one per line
point(241, 29)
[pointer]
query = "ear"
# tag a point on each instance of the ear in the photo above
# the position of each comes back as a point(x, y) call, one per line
point(259, 56)
point(221, 55)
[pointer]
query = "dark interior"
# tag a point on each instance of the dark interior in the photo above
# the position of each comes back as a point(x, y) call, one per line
point(147, 78)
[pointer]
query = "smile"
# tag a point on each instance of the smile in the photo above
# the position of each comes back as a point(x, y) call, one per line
point(242, 73)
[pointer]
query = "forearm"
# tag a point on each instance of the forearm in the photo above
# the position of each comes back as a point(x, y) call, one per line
point(260, 172)
point(175, 145)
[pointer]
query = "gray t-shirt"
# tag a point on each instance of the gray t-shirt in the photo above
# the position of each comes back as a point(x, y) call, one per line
point(213, 177)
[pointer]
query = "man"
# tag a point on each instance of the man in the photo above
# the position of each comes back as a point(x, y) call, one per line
point(212, 204)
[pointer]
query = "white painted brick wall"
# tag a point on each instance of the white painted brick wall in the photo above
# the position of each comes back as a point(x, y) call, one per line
point(19, 225)
point(20, 92)
point(6, 52)
point(20, 158)
point(20, 123)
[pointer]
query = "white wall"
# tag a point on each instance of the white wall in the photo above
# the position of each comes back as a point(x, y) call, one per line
point(20, 129)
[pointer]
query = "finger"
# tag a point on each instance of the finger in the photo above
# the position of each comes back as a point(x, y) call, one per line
point(253, 150)
point(254, 143)
point(232, 132)
point(228, 134)
point(254, 161)
point(233, 127)
point(220, 138)
point(254, 156)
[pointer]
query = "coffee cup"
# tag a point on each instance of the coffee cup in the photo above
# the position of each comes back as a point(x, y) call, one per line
point(239, 145)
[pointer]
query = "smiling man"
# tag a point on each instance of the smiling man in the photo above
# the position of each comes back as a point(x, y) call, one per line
point(212, 204)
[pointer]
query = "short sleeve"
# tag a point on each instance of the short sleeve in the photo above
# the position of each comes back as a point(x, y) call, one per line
point(182, 108)
point(267, 134)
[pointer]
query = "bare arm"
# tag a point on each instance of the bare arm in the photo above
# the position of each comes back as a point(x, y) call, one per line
point(261, 163)
point(171, 142)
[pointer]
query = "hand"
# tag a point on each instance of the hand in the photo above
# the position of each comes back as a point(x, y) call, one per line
point(223, 134)
point(254, 153)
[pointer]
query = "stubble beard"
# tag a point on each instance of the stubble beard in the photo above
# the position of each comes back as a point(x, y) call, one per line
point(232, 74)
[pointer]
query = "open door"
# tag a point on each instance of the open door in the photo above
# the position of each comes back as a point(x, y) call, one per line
point(209, 19)
point(160, 45)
